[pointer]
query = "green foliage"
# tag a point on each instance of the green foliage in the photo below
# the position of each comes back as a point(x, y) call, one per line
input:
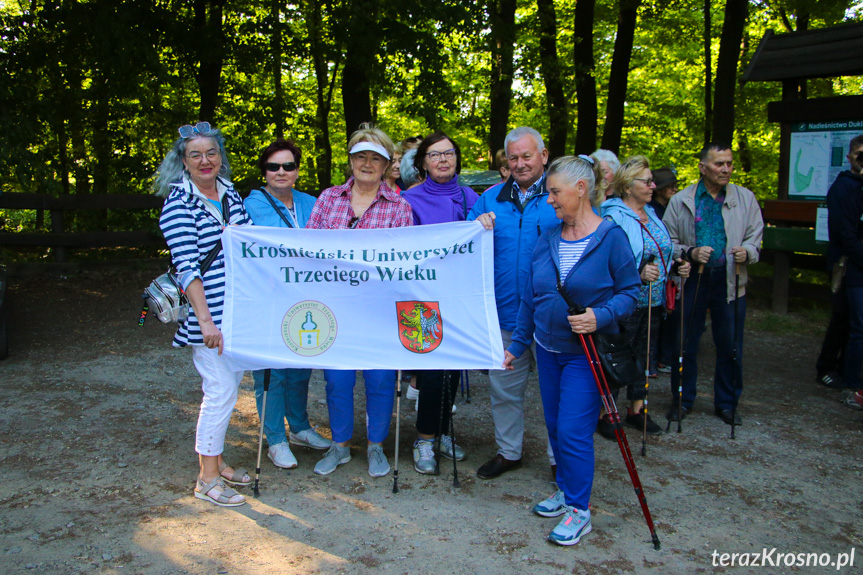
point(92, 91)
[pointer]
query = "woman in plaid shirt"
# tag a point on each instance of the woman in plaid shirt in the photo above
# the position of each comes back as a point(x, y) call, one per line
point(363, 202)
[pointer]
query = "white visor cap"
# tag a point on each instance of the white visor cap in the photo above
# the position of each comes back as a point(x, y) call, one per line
point(369, 147)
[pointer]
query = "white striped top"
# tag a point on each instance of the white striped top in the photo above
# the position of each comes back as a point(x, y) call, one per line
point(191, 229)
point(570, 253)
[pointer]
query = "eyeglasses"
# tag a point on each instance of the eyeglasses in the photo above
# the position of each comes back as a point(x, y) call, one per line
point(436, 156)
point(648, 181)
point(188, 130)
point(287, 166)
point(372, 157)
point(211, 154)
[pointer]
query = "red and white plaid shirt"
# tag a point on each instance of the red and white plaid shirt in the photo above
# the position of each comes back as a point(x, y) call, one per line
point(333, 210)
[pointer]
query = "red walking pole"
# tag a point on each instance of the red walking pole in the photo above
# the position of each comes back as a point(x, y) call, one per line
point(610, 408)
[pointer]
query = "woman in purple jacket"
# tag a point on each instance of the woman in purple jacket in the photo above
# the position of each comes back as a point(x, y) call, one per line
point(439, 199)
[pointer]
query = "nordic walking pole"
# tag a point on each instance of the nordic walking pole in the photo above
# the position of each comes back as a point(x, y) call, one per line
point(680, 362)
point(455, 482)
point(647, 362)
point(255, 491)
point(736, 379)
point(445, 381)
point(683, 345)
point(610, 408)
point(398, 421)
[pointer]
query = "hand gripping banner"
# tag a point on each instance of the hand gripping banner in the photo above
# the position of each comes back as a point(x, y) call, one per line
point(405, 298)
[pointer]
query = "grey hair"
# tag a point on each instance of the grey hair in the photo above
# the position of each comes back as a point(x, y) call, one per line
point(409, 174)
point(172, 169)
point(573, 169)
point(519, 133)
point(608, 157)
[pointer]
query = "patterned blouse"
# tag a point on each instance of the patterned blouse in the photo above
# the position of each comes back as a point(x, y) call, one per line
point(655, 238)
point(709, 225)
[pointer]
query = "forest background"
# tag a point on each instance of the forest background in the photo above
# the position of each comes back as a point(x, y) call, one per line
point(92, 91)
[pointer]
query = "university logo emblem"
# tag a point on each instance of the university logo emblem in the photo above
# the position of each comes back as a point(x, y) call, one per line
point(420, 325)
point(309, 328)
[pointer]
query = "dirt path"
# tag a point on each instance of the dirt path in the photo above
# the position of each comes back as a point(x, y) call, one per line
point(96, 450)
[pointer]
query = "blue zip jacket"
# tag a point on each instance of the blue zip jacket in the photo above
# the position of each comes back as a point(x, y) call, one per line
point(516, 231)
point(623, 216)
point(605, 279)
point(262, 213)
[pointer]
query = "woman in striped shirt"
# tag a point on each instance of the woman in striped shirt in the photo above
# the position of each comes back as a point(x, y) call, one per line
point(193, 179)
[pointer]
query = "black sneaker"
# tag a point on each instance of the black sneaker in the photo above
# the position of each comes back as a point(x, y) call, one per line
point(673, 415)
point(606, 428)
point(831, 380)
point(636, 420)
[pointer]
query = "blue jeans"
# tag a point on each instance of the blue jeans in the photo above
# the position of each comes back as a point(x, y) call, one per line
point(712, 294)
point(854, 348)
point(380, 396)
point(571, 403)
point(287, 396)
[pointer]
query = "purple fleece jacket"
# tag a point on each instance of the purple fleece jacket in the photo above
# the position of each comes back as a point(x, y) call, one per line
point(435, 203)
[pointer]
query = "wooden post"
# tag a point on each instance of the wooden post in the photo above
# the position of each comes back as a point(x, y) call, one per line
point(57, 227)
point(781, 269)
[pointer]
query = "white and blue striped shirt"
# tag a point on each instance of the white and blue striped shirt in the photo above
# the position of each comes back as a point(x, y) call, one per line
point(570, 253)
point(191, 229)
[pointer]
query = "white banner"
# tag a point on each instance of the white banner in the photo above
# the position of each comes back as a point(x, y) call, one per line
point(405, 298)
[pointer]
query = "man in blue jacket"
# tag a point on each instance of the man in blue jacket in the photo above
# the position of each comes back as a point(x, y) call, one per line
point(519, 213)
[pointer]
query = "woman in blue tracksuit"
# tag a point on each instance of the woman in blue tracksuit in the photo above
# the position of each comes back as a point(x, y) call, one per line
point(592, 260)
point(278, 204)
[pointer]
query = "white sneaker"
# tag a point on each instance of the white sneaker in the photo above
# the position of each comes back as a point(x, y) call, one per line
point(281, 456)
point(310, 438)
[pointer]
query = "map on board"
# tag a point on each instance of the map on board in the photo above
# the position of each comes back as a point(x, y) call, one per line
point(818, 151)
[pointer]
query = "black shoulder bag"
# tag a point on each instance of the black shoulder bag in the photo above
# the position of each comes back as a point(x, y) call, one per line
point(618, 359)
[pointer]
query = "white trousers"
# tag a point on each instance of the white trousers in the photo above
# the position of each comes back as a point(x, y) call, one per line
point(220, 386)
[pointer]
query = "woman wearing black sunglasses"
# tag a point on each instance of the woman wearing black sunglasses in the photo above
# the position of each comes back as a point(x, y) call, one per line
point(278, 204)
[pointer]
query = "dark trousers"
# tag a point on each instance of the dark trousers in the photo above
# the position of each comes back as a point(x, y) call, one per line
point(431, 386)
point(712, 295)
point(831, 358)
point(636, 328)
point(854, 349)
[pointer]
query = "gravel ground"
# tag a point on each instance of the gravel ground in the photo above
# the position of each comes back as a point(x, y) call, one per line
point(97, 421)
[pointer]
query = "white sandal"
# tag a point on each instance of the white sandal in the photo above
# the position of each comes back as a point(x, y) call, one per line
point(223, 498)
point(238, 477)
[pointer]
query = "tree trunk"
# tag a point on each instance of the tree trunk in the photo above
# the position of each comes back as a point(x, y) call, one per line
point(619, 77)
point(708, 73)
point(323, 94)
point(558, 118)
point(502, 39)
point(362, 44)
point(208, 25)
point(585, 82)
point(276, 48)
point(726, 69)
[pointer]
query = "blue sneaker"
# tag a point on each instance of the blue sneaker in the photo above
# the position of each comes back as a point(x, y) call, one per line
point(554, 506)
point(572, 527)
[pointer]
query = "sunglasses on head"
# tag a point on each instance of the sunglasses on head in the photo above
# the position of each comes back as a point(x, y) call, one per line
point(188, 130)
point(274, 167)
